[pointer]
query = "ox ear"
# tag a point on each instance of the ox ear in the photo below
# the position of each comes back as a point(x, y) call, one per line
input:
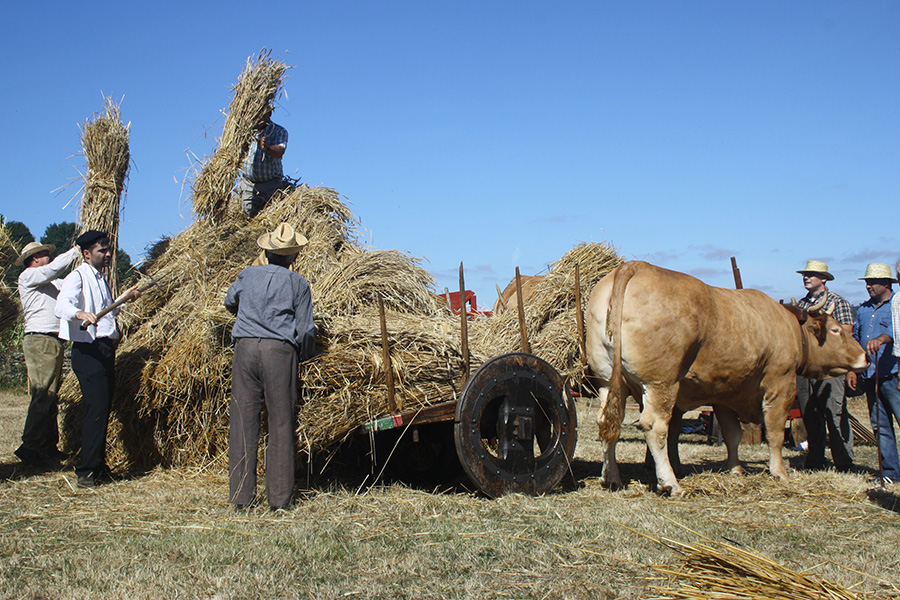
point(819, 328)
point(801, 314)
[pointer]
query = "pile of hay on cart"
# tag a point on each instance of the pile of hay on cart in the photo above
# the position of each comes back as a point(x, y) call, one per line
point(173, 379)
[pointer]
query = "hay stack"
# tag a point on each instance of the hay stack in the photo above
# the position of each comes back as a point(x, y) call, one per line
point(104, 141)
point(550, 317)
point(256, 90)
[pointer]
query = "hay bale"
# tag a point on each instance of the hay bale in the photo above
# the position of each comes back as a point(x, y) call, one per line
point(550, 318)
point(9, 298)
point(104, 141)
point(256, 89)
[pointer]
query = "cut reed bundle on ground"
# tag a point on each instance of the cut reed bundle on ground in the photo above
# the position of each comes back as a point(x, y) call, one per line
point(104, 141)
point(717, 570)
point(256, 90)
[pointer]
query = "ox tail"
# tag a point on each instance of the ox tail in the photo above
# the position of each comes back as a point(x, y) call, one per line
point(610, 422)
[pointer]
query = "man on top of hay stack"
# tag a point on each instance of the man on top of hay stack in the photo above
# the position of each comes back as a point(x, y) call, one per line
point(84, 294)
point(38, 288)
point(874, 330)
point(273, 331)
point(261, 171)
point(823, 403)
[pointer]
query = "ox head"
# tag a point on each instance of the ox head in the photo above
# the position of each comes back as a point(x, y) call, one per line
point(828, 348)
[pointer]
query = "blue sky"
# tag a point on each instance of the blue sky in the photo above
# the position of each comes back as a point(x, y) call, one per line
point(497, 134)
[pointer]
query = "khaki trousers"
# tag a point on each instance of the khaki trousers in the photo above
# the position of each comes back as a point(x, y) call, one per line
point(264, 372)
point(43, 360)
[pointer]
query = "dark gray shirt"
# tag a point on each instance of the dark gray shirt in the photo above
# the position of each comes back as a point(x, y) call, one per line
point(275, 303)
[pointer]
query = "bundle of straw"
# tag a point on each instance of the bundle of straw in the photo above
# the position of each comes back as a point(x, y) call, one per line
point(255, 91)
point(9, 303)
point(716, 570)
point(550, 311)
point(104, 140)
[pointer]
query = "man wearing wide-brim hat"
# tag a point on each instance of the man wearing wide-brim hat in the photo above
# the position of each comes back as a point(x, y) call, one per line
point(39, 286)
point(823, 402)
point(273, 331)
point(874, 330)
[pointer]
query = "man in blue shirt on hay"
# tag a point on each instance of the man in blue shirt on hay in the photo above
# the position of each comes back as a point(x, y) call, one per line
point(273, 331)
point(261, 171)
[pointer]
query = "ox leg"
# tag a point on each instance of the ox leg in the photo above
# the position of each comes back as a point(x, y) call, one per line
point(732, 432)
point(775, 421)
point(655, 418)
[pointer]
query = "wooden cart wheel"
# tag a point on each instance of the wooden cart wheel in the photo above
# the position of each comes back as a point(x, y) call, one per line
point(515, 426)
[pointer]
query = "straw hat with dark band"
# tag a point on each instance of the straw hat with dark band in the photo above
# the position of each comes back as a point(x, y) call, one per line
point(817, 267)
point(878, 271)
point(32, 248)
point(284, 240)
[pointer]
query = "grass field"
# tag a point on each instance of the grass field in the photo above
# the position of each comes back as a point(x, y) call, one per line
point(171, 534)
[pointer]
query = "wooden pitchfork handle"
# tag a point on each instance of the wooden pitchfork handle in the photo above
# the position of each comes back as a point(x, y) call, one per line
point(122, 300)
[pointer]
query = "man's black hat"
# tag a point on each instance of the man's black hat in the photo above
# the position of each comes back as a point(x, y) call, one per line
point(89, 238)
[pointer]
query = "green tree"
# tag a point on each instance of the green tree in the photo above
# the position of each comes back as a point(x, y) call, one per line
point(125, 272)
point(20, 235)
point(62, 235)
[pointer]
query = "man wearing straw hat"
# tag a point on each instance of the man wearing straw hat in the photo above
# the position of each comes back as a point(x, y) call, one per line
point(273, 331)
point(82, 299)
point(38, 288)
point(874, 330)
point(823, 402)
point(261, 171)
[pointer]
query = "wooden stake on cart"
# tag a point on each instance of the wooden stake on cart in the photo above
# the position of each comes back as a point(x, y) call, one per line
point(464, 324)
point(738, 285)
point(386, 355)
point(525, 346)
point(579, 317)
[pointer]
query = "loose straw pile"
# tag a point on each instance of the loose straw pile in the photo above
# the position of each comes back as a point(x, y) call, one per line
point(716, 570)
point(256, 90)
point(104, 141)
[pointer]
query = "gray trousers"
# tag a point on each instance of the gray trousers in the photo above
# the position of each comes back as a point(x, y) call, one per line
point(824, 408)
point(44, 361)
point(264, 372)
point(255, 196)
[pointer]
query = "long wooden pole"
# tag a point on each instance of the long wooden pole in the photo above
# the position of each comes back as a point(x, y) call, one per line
point(464, 323)
point(386, 359)
point(738, 284)
point(526, 347)
point(579, 317)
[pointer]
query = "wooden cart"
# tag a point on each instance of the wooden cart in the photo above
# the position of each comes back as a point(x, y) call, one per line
point(513, 426)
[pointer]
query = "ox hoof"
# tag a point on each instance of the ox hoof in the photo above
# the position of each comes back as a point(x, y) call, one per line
point(613, 486)
point(672, 491)
point(737, 470)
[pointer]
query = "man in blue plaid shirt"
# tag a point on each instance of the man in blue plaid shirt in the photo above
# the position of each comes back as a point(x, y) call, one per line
point(261, 171)
point(823, 402)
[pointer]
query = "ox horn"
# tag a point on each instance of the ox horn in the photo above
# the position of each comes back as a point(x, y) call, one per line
point(793, 302)
point(829, 310)
point(816, 308)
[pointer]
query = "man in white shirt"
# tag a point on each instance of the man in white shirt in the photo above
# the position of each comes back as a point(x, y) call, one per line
point(84, 294)
point(38, 288)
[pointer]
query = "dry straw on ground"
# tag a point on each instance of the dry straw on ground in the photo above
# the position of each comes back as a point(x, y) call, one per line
point(104, 141)
point(256, 90)
point(718, 570)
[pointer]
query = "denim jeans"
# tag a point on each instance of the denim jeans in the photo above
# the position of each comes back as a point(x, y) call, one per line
point(883, 411)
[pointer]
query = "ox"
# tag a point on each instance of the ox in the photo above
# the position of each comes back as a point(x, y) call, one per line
point(672, 341)
point(508, 299)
